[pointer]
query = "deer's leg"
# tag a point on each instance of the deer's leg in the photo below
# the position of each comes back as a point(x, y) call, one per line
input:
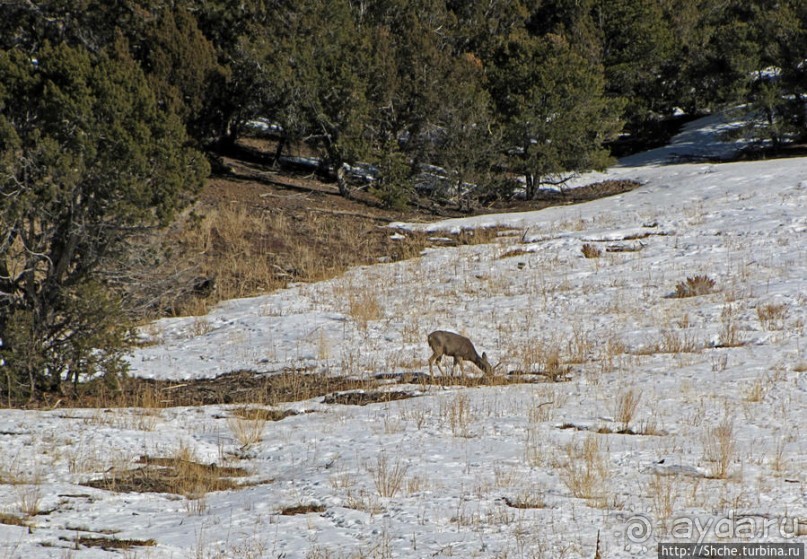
point(458, 361)
point(436, 359)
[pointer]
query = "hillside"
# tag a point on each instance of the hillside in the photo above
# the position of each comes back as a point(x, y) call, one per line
point(651, 378)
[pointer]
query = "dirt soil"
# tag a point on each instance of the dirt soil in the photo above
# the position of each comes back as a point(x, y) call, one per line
point(253, 179)
point(256, 228)
point(271, 389)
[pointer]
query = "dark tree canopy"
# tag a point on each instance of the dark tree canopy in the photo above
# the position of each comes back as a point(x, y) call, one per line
point(86, 156)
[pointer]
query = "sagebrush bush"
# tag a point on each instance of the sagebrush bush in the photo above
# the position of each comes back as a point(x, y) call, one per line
point(694, 286)
point(590, 251)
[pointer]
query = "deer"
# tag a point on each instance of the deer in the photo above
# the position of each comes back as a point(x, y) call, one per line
point(456, 346)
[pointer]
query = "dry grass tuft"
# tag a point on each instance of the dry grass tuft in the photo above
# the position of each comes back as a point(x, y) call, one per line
point(363, 307)
point(665, 492)
point(179, 474)
point(720, 448)
point(673, 341)
point(626, 404)
point(757, 390)
point(591, 251)
point(459, 415)
point(247, 431)
point(388, 477)
point(730, 335)
point(694, 286)
point(479, 235)
point(583, 468)
point(772, 316)
point(536, 357)
point(29, 496)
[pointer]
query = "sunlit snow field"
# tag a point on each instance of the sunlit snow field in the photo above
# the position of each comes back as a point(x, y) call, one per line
point(718, 384)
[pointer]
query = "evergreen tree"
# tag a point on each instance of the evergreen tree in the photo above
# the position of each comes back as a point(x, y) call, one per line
point(553, 106)
point(182, 68)
point(469, 143)
point(779, 90)
point(314, 70)
point(637, 50)
point(87, 156)
point(244, 87)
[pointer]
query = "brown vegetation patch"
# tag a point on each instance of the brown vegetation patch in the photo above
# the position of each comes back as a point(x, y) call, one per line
point(478, 236)
point(694, 286)
point(108, 544)
point(302, 509)
point(555, 373)
point(546, 198)
point(248, 387)
point(515, 252)
point(267, 389)
point(590, 251)
point(263, 414)
point(256, 229)
point(523, 503)
point(175, 475)
point(625, 248)
point(12, 520)
point(600, 189)
point(604, 430)
point(364, 398)
point(645, 235)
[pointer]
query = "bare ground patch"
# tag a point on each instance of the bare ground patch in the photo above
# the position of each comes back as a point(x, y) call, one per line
point(263, 414)
point(175, 475)
point(365, 398)
point(270, 389)
point(301, 509)
point(257, 228)
point(108, 544)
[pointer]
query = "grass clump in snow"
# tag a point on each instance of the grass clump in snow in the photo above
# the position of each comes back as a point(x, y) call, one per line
point(720, 447)
point(583, 469)
point(772, 316)
point(12, 520)
point(590, 251)
point(388, 475)
point(180, 474)
point(364, 307)
point(626, 404)
point(694, 286)
point(108, 544)
point(525, 501)
point(302, 509)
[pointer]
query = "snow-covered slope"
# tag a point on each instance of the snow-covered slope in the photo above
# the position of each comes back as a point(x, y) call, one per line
point(719, 383)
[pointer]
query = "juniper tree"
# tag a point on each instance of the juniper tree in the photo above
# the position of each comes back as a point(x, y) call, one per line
point(87, 157)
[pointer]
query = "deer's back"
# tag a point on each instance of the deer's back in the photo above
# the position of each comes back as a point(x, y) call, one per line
point(451, 344)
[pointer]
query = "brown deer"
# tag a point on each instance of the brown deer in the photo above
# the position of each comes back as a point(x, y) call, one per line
point(458, 347)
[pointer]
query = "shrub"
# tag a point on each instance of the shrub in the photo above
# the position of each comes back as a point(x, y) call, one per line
point(694, 286)
point(591, 251)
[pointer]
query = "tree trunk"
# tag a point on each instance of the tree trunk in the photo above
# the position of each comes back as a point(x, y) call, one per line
point(281, 143)
point(531, 187)
point(341, 179)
